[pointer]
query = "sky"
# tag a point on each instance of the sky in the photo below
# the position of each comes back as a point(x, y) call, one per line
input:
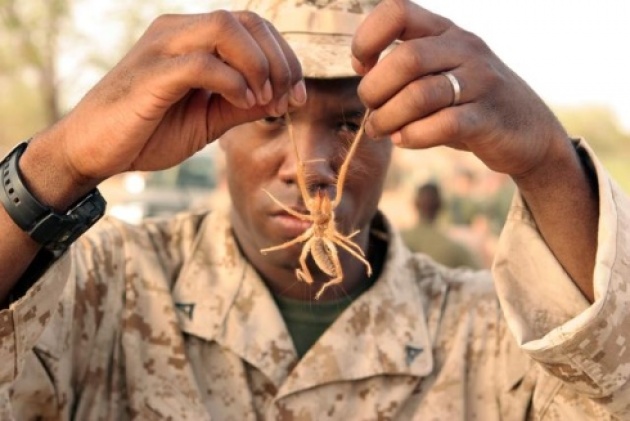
point(572, 53)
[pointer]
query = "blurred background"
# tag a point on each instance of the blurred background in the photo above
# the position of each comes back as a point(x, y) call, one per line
point(572, 54)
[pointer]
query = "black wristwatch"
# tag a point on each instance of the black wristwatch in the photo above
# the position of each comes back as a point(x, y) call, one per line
point(53, 231)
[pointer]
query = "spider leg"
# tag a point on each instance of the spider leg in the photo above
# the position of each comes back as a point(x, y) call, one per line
point(338, 269)
point(288, 209)
point(368, 267)
point(300, 238)
point(355, 232)
point(343, 171)
point(300, 172)
point(304, 274)
point(347, 241)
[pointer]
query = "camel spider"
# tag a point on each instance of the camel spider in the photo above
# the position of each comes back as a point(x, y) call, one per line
point(321, 239)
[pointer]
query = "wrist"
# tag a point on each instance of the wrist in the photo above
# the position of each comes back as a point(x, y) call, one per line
point(49, 177)
point(560, 164)
point(53, 230)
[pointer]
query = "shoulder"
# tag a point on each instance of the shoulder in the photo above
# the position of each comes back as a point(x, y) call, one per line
point(113, 246)
point(152, 233)
point(463, 285)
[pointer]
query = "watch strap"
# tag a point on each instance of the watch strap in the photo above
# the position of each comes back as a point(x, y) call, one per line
point(52, 230)
point(18, 201)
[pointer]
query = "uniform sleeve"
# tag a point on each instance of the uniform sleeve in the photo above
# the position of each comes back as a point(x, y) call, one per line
point(585, 346)
point(47, 335)
point(23, 322)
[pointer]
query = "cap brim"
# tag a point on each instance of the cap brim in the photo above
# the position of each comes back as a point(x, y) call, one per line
point(323, 56)
point(326, 56)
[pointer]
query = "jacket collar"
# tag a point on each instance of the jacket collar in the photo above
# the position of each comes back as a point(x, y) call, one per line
point(221, 298)
point(384, 332)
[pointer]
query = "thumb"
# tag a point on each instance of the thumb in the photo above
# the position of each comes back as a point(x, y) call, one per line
point(223, 115)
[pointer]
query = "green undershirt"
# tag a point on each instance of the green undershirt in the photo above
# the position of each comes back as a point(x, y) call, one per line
point(306, 321)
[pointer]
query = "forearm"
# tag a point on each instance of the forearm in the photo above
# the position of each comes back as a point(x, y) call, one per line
point(563, 199)
point(43, 172)
point(550, 318)
point(17, 251)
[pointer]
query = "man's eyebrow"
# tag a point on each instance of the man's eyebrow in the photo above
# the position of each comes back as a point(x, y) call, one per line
point(353, 113)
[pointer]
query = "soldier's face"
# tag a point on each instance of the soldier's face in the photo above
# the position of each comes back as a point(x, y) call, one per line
point(260, 156)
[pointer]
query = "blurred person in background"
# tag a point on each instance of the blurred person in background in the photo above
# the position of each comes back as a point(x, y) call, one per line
point(463, 203)
point(185, 318)
point(427, 237)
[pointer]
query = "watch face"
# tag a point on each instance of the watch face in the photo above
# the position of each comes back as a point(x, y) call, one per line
point(56, 232)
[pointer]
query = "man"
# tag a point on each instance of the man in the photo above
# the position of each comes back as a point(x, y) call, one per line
point(186, 319)
point(426, 237)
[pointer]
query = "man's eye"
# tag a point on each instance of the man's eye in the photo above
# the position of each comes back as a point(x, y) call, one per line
point(349, 127)
point(350, 122)
point(273, 120)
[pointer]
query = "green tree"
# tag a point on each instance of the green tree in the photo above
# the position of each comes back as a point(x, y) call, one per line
point(599, 126)
point(32, 29)
point(36, 35)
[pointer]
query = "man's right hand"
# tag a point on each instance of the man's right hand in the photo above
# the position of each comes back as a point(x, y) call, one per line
point(188, 79)
point(185, 82)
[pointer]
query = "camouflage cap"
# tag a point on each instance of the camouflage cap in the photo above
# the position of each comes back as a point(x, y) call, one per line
point(319, 31)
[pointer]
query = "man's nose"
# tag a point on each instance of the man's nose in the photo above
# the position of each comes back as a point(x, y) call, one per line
point(314, 155)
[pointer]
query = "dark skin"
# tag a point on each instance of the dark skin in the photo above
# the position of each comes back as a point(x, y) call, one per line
point(184, 83)
point(192, 78)
point(499, 119)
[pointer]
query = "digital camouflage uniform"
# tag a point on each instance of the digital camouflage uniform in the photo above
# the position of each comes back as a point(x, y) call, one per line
point(168, 321)
point(319, 31)
point(430, 239)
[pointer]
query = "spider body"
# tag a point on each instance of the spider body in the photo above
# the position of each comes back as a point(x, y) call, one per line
point(322, 239)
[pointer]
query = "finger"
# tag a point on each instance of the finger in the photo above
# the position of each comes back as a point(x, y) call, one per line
point(174, 77)
point(417, 100)
point(412, 60)
point(278, 85)
point(392, 20)
point(452, 125)
point(222, 116)
point(297, 95)
point(265, 52)
point(223, 35)
point(244, 41)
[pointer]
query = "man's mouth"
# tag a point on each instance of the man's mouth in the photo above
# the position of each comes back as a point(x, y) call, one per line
point(288, 226)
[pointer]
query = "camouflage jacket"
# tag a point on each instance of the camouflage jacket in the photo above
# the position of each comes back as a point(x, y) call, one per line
point(168, 321)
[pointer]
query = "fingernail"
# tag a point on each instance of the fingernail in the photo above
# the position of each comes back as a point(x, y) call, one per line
point(283, 105)
point(298, 93)
point(359, 66)
point(369, 130)
point(267, 94)
point(396, 138)
point(250, 98)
